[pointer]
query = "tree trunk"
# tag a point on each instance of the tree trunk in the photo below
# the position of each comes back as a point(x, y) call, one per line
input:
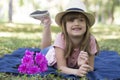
point(112, 13)
point(10, 12)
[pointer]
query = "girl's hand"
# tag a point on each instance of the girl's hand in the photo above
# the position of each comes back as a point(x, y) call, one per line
point(83, 70)
point(83, 58)
point(46, 21)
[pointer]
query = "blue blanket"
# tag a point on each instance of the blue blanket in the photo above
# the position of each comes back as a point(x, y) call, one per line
point(107, 65)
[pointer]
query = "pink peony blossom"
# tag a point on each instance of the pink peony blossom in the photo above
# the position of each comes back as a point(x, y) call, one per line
point(39, 59)
point(33, 69)
point(43, 67)
point(33, 63)
point(27, 59)
point(27, 52)
point(22, 68)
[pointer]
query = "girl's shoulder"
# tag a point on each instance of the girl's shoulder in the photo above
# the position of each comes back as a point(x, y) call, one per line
point(93, 45)
point(59, 41)
point(92, 37)
point(60, 35)
point(92, 40)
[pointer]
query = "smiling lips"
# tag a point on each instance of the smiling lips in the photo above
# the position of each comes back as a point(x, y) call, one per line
point(76, 29)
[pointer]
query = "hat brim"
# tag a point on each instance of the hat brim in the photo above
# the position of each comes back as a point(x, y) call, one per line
point(90, 17)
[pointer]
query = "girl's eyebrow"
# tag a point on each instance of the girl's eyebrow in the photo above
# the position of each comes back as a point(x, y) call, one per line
point(81, 16)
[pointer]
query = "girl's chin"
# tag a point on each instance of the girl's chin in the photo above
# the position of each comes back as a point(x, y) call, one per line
point(77, 35)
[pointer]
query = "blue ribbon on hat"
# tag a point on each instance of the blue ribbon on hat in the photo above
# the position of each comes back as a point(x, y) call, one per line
point(74, 9)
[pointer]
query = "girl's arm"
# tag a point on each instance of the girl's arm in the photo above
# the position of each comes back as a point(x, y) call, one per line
point(62, 66)
point(84, 58)
point(46, 37)
point(91, 61)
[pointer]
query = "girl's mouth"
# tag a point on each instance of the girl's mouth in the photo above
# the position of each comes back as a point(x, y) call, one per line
point(77, 29)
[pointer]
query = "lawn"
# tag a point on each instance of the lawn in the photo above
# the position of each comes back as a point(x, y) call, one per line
point(14, 36)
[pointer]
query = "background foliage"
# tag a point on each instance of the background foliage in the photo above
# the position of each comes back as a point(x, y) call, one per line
point(106, 11)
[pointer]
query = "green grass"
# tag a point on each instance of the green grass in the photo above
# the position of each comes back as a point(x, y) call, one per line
point(108, 36)
point(14, 36)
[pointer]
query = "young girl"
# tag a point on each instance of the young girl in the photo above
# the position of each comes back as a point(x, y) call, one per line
point(75, 47)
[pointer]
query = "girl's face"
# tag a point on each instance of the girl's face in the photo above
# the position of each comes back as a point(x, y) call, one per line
point(76, 25)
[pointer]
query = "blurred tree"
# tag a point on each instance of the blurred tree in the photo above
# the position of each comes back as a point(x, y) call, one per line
point(21, 3)
point(33, 2)
point(111, 9)
point(10, 12)
point(104, 10)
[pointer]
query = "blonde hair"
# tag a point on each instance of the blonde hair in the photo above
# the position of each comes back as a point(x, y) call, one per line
point(86, 39)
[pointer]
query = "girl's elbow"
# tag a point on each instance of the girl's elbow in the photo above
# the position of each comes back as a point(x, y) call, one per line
point(61, 68)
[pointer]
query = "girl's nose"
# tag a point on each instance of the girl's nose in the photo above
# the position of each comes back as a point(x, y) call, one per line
point(76, 22)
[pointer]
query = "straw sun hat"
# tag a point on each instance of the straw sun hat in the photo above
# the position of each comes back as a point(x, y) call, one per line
point(75, 6)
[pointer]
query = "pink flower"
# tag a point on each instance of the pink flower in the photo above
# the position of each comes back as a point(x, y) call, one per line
point(27, 52)
point(22, 68)
point(27, 59)
point(33, 70)
point(33, 64)
point(43, 67)
point(39, 58)
point(41, 61)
